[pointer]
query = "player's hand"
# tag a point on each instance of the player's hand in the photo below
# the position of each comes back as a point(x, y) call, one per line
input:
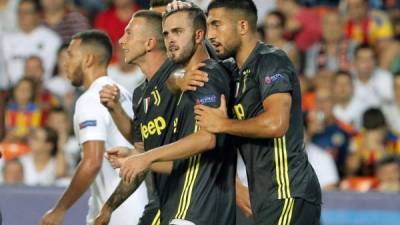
point(211, 119)
point(134, 166)
point(175, 5)
point(243, 199)
point(109, 96)
point(104, 217)
point(117, 153)
point(53, 217)
point(193, 79)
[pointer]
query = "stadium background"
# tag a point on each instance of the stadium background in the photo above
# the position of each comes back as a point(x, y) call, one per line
point(347, 54)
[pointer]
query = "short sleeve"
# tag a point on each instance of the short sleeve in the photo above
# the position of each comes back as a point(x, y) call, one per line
point(274, 73)
point(209, 95)
point(92, 120)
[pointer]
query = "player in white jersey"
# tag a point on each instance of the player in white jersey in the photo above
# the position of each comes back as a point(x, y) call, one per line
point(89, 53)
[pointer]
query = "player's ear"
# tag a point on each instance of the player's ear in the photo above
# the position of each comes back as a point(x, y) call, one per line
point(199, 36)
point(89, 60)
point(243, 26)
point(150, 44)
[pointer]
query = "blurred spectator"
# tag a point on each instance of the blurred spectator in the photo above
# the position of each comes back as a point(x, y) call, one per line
point(128, 75)
point(372, 86)
point(114, 20)
point(274, 25)
point(263, 7)
point(2, 114)
point(371, 27)
point(59, 84)
point(325, 131)
point(44, 98)
point(45, 163)
point(22, 114)
point(303, 23)
point(347, 109)
point(13, 172)
point(333, 52)
point(91, 7)
point(8, 15)
point(58, 120)
point(388, 174)
point(392, 111)
point(373, 142)
point(322, 162)
point(33, 39)
point(366, 26)
point(62, 19)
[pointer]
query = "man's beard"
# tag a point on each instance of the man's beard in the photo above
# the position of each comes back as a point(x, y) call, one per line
point(187, 53)
point(77, 77)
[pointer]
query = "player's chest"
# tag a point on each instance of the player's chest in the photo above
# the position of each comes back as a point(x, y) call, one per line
point(247, 97)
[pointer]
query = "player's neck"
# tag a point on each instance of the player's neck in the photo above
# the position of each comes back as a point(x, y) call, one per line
point(247, 46)
point(199, 56)
point(92, 74)
point(152, 63)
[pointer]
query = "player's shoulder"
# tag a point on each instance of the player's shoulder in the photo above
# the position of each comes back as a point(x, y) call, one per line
point(214, 67)
point(270, 54)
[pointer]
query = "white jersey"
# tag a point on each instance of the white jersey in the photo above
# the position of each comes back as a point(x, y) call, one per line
point(92, 121)
point(18, 46)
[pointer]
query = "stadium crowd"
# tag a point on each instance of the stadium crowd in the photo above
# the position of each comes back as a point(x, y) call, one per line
point(347, 54)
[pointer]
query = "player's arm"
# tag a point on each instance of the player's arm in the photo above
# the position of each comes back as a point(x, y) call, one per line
point(85, 174)
point(189, 81)
point(117, 156)
point(275, 89)
point(120, 194)
point(109, 97)
point(273, 122)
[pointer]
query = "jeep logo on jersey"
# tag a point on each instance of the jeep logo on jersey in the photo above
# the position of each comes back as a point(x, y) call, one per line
point(154, 127)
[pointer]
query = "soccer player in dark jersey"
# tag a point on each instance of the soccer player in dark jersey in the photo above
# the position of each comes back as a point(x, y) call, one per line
point(268, 120)
point(151, 104)
point(143, 45)
point(204, 166)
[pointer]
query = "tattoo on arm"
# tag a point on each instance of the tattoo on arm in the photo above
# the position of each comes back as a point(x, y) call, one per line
point(124, 190)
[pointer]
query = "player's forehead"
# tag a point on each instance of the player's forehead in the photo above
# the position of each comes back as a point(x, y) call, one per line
point(176, 20)
point(218, 14)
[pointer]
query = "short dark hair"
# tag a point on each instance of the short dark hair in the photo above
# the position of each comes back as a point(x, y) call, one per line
point(195, 13)
point(58, 109)
point(154, 20)
point(158, 3)
point(99, 40)
point(36, 5)
point(281, 17)
point(344, 73)
point(373, 118)
point(388, 160)
point(364, 46)
point(246, 7)
point(52, 138)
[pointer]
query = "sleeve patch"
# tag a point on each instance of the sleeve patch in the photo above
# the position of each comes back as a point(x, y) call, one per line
point(269, 80)
point(87, 123)
point(207, 99)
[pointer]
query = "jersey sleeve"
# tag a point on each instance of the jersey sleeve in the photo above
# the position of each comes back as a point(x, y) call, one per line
point(92, 120)
point(209, 95)
point(274, 73)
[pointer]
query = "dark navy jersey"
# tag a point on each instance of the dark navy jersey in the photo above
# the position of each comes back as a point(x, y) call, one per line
point(153, 105)
point(204, 184)
point(277, 168)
